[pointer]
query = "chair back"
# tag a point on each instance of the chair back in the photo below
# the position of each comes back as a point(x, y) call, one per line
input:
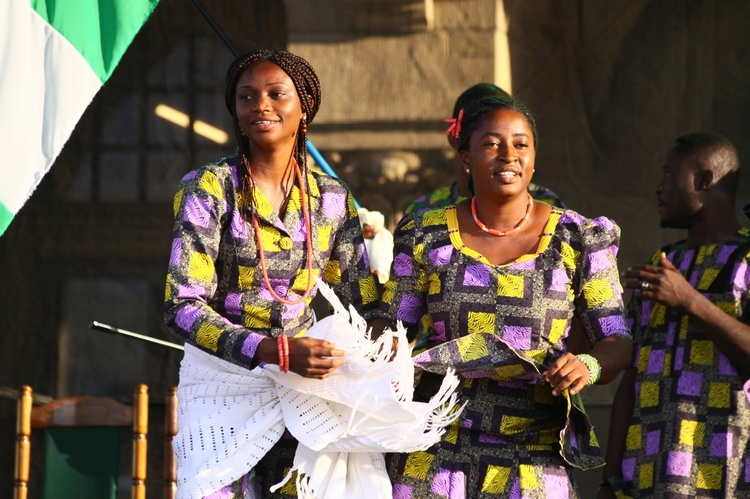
point(82, 444)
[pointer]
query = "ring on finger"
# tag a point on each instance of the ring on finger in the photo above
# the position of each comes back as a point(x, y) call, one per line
point(644, 285)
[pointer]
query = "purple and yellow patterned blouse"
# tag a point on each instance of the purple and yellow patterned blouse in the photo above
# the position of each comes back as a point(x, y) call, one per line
point(216, 298)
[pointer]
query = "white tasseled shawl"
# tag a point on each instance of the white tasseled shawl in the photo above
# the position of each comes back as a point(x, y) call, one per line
point(230, 417)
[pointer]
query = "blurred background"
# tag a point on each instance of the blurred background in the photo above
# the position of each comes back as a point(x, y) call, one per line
point(610, 83)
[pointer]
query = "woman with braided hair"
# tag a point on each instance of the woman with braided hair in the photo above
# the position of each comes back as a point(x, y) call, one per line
point(252, 233)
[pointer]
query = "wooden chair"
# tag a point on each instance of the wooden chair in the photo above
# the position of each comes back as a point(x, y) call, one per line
point(82, 451)
point(170, 430)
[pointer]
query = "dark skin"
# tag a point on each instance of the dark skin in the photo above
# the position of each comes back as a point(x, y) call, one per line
point(691, 196)
point(500, 158)
point(269, 112)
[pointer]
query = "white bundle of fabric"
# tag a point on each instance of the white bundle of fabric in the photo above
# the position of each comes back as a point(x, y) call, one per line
point(230, 417)
point(380, 247)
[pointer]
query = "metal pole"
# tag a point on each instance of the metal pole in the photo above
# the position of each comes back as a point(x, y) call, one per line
point(116, 330)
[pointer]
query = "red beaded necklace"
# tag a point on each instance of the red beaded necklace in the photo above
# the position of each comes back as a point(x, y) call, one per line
point(308, 242)
point(501, 233)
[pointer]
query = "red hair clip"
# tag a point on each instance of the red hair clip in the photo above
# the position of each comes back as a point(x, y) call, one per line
point(455, 128)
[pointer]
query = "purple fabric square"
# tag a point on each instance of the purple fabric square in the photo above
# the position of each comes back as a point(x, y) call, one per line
point(687, 258)
point(726, 367)
point(559, 280)
point(679, 463)
point(599, 260)
point(671, 331)
point(515, 492)
point(740, 276)
point(410, 309)
point(232, 303)
point(690, 384)
point(298, 232)
point(238, 226)
point(293, 311)
point(280, 286)
point(190, 176)
point(250, 345)
point(556, 486)
point(186, 317)
point(449, 484)
point(653, 440)
point(613, 324)
point(477, 275)
point(488, 438)
point(191, 291)
point(645, 312)
point(678, 356)
point(614, 249)
point(724, 253)
point(334, 205)
point(402, 491)
point(439, 331)
point(747, 470)
point(655, 362)
point(198, 211)
point(523, 265)
point(402, 264)
point(175, 255)
point(518, 336)
point(628, 469)
point(223, 493)
point(441, 255)
point(694, 278)
point(721, 445)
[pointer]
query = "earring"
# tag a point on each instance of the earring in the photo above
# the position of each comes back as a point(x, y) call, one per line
point(467, 170)
point(304, 124)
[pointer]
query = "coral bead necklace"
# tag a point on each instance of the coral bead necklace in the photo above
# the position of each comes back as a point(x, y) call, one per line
point(501, 233)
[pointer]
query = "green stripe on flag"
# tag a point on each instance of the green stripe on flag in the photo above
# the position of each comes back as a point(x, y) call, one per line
point(101, 30)
point(5, 218)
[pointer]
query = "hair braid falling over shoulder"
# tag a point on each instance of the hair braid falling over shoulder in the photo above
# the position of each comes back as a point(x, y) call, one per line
point(307, 85)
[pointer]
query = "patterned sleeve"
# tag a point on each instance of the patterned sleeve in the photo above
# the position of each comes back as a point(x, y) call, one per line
point(405, 294)
point(598, 294)
point(200, 210)
point(348, 270)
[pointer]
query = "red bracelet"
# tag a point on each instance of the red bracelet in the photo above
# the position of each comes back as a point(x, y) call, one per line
point(283, 347)
point(286, 354)
point(280, 347)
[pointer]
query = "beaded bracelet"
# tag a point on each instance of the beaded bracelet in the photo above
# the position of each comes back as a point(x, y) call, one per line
point(282, 343)
point(595, 369)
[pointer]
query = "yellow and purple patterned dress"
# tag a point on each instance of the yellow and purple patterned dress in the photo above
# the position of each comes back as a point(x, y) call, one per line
point(689, 434)
point(216, 298)
point(499, 327)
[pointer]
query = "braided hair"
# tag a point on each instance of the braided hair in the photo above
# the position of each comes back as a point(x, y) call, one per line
point(307, 85)
point(477, 110)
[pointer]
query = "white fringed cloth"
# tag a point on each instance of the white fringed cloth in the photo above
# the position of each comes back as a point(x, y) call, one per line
point(229, 417)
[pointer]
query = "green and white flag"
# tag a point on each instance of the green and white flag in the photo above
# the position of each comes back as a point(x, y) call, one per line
point(54, 56)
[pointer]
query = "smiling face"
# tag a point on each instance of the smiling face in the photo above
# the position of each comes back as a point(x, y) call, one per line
point(268, 107)
point(501, 153)
point(678, 195)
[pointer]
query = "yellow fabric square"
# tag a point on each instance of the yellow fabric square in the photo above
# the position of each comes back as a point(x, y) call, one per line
point(435, 286)
point(658, 314)
point(418, 252)
point(495, 479)
point(451, 436)
point(207, 336)
point(177, 202)
point(730, 308)
point(299, 284)
point(569, 256)
point(433, 217)
point(692, 432)
point(514, 424)
point(557, 330)
point(684, 321)
point(201, 267)
point(506, 373)
point(247, 275)
point(269, 238)
point(719, 395)
point(368, 291)
point(168, 291)
point(257, 317)
point(351, 206)
point(480, 322)
point(418, 464)
point(295, 200)
point(709, 476)
point(708, 276)
point(421, 283)
point(290, 487)
point(210, 184)
point(643, 356)
point(633, 439)
point(472, 347)
point(597, 291)
point(667, 364)
point(510, 285)
point(537, 355)
point(646, 475)
point(702, 352)
point(332, 272)
point(543, 395)
point(324, 238)
point(527, 476)
point(649, 394)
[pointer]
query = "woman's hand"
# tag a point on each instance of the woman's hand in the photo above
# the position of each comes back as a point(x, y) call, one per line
point(314, 358)
point(567, 372)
